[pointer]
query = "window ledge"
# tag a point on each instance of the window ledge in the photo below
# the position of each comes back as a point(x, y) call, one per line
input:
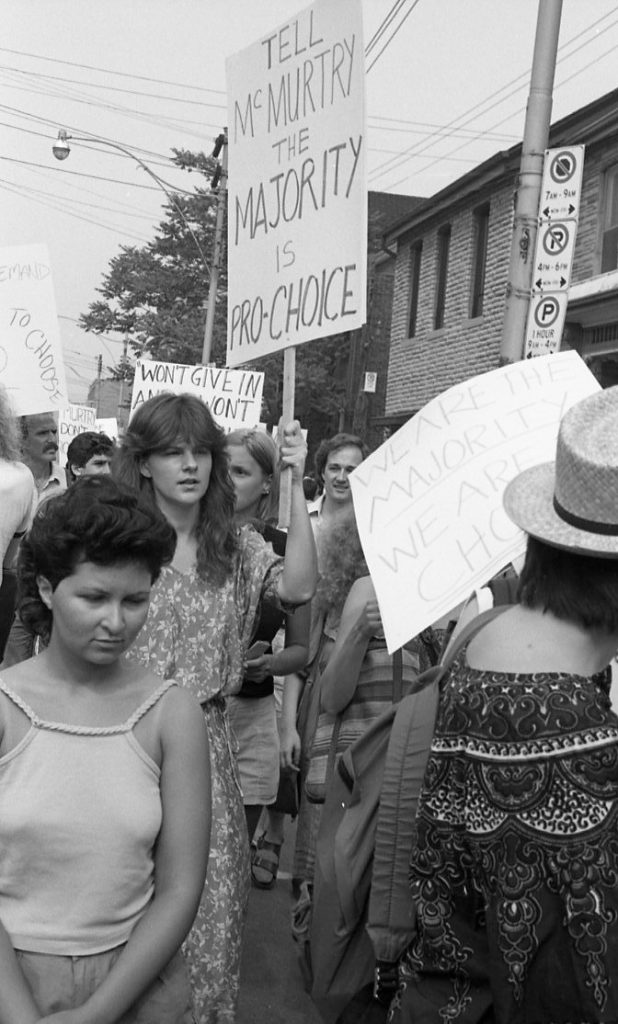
point(425, 336)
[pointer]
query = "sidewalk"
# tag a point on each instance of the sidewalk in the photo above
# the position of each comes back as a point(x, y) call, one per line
point(271, 987)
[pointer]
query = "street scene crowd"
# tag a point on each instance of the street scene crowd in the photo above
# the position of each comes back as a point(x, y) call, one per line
point(181, 677)
point(333, 701)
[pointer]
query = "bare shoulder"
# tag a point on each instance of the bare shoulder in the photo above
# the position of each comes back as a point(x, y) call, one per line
point(181, 714)
point(181, 701)
point(24, 675)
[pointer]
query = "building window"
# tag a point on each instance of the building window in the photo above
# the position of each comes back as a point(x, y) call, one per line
point(609, 250)
point(481, 233)
point(415, 280)
point(444, 242)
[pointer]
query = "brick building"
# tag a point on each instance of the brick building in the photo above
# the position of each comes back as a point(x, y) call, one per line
point(367, 349)
point(452, 260)
point(111, 398)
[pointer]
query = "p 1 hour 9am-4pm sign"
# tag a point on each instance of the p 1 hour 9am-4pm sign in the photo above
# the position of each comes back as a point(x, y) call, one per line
point(297, 201)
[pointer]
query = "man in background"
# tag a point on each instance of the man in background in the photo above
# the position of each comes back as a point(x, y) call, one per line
point(39, 447)
point(89, 454)
point(336, 458)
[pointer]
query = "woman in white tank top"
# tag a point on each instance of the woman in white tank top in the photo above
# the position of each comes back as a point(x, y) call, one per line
point(104, 779)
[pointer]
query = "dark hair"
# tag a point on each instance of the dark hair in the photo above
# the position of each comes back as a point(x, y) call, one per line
point(85, 446)
point(333, 444)
point(162, 422)
point(582, 589)
point(310, 488)
point(96, 520)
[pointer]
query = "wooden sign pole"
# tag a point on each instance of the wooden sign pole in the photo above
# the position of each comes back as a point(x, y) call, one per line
point(285, 489)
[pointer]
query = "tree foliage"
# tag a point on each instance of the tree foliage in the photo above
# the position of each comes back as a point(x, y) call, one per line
point(156, 294)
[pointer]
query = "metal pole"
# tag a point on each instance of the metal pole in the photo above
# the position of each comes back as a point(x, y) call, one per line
point(99, 373)
point(216, 257)
point(536, 135)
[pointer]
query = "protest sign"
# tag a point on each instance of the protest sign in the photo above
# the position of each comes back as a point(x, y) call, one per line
point(297, 200)
point(234, 397)
point(31, 363)
point(73, 420)
point(107, 425)
point(428, 502)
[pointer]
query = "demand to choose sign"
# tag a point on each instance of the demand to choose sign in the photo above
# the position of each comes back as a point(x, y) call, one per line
point(297, 207)
point(429, 501)
point(31, 363)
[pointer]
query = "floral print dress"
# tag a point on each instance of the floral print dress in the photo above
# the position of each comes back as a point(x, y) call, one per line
point(515, 869)
point(197, 634)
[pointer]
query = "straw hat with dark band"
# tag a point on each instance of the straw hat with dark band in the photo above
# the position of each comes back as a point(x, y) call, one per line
point(573, 502)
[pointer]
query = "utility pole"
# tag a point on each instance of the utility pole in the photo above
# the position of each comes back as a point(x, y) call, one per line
point(99, 372)
point(536, 135)
point(125, 349)
point(219, 181)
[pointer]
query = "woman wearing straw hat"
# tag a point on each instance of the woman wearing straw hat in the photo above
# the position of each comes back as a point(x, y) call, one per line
point(515, 866)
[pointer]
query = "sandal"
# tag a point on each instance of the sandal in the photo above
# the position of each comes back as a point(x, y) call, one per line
point(265, 863)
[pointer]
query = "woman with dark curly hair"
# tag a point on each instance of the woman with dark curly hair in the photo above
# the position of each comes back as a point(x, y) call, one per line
point(104, 810)
point(201, 621)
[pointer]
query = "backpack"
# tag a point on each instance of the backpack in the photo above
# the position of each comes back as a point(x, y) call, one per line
point(362, 909)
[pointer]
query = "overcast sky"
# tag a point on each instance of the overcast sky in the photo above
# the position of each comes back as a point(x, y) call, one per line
point(447, 83)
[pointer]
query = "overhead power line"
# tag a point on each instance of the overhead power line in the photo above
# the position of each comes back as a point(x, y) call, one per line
point(391, 37)
point(111, 88)
point(481, 108)
point(110, 71)
point(95, 177)
point(67, 207)
point(382, 27)
point(149, 154)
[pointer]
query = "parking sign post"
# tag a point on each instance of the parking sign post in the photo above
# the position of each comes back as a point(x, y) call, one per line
point(554, 248)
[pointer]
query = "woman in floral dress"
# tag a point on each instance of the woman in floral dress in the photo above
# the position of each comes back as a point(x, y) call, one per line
point(515, 867)
point(201, 619)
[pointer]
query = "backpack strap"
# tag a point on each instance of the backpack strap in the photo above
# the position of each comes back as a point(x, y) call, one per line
point(391, 918)
point(392, 915)
point(397, 675)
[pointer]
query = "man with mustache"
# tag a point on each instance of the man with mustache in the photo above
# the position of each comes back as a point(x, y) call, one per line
point(38, 451)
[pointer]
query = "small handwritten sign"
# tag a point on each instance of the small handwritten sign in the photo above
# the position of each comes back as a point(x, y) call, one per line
point(73, 420)
point(108, 425)
point(31, 363)
point(429, 501)
point(234, 397)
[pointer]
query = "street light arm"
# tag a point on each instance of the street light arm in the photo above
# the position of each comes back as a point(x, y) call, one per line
point(61, 151)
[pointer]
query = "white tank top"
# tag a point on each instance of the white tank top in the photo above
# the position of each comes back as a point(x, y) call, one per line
point(80, 810)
